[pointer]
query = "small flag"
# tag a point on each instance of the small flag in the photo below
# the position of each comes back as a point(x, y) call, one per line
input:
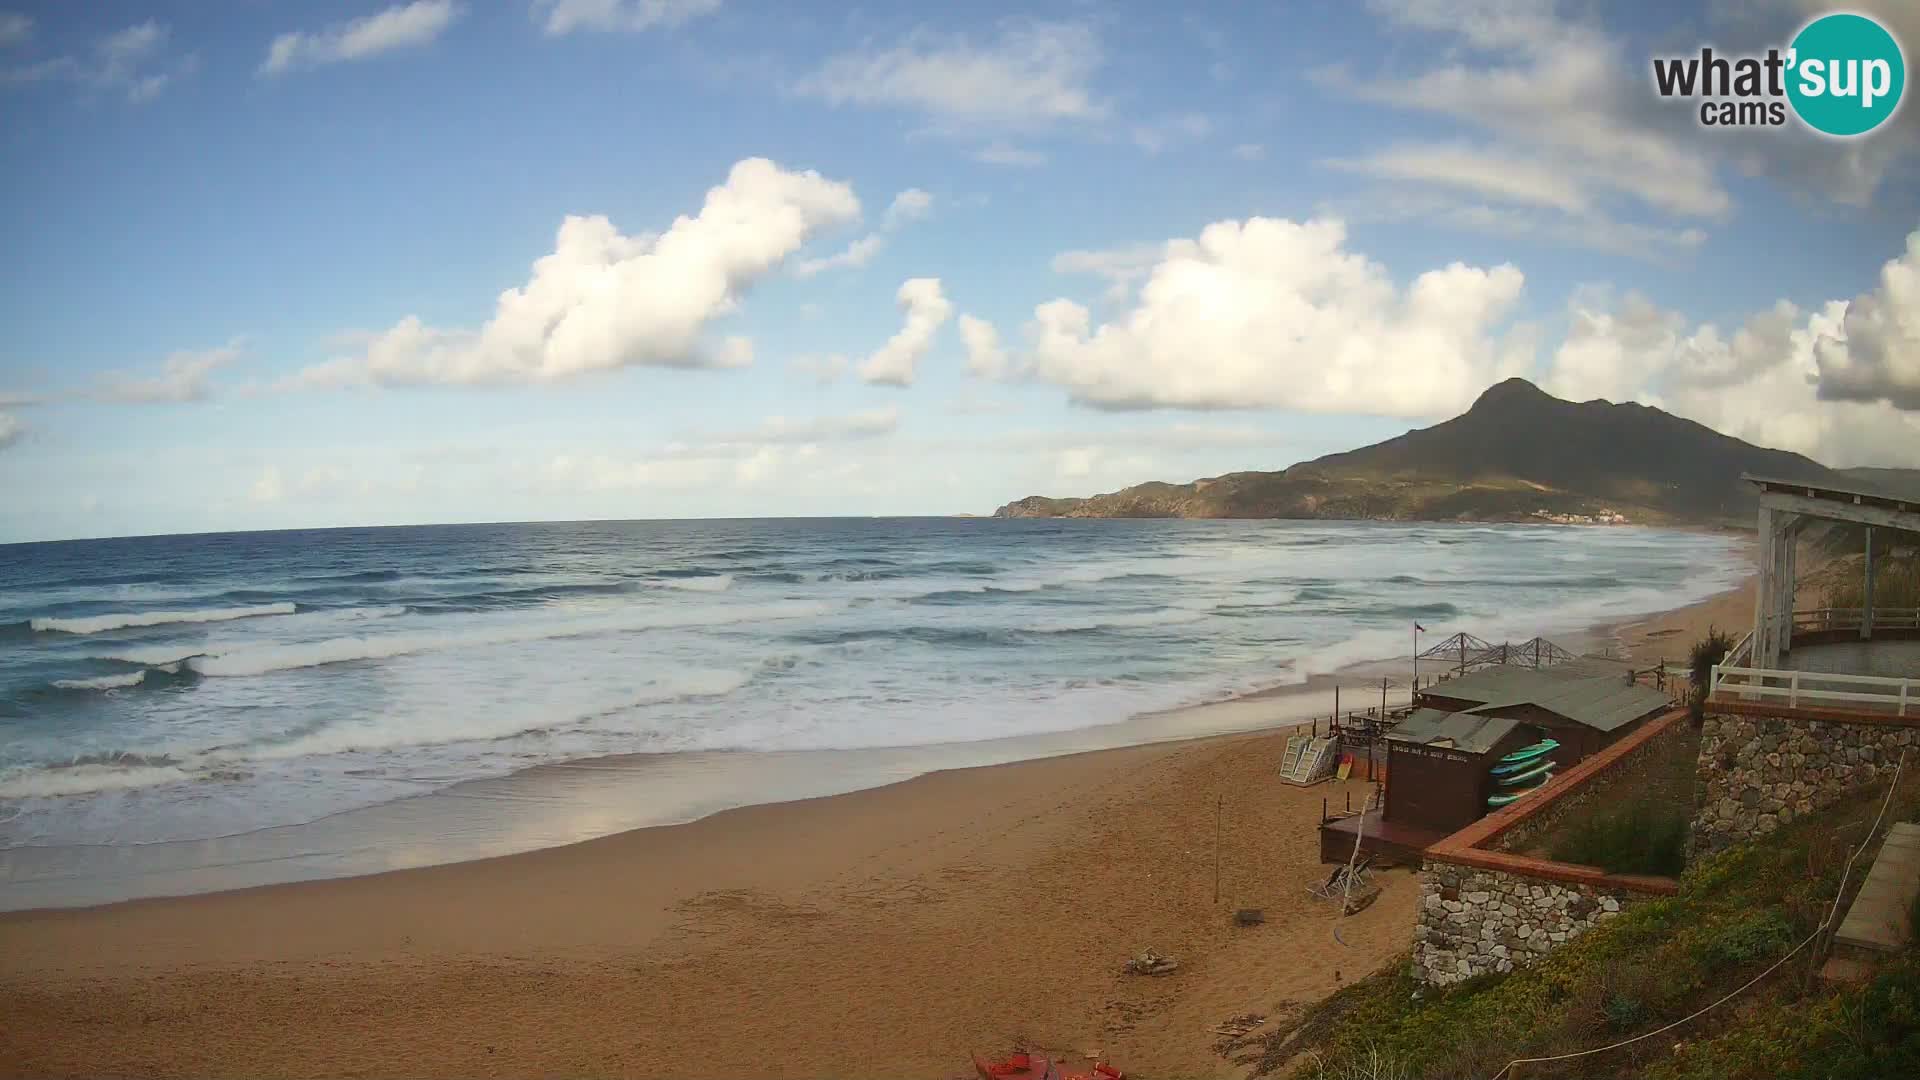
point(1419, 629)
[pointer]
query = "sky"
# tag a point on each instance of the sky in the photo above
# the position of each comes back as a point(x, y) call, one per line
point(267, 264)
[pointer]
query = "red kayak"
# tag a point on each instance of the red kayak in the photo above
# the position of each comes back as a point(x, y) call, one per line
point(1016, 1067)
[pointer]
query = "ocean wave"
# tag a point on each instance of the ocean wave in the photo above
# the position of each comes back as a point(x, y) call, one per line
point(385, 732)
point(702, 583)
point(122, 680)
point(90, 774)
point(104, 682)
point(262, 660)
point(1138, 621)
point(527, 596)
point(95, 624)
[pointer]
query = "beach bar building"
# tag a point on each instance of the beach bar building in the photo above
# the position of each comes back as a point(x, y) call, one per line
point(1584, 704)
point(1836, 664)
point(1440, 759)
point(1446, 761)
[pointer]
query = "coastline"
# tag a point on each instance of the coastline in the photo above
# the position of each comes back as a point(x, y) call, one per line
point(556, 804)
point(1003, 895)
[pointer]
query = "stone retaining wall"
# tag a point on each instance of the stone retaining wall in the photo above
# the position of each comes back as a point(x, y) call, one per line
point(1473, 921)
point(1757, 773)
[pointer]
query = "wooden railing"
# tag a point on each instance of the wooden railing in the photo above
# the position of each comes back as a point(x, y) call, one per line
point(1851, 618)
point(1816, 689)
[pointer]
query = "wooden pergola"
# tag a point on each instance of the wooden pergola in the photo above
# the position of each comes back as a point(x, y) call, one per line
point(1785, 507)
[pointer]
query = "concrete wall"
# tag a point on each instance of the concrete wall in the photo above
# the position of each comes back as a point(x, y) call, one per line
point(1474, 921)
point(1757, 773)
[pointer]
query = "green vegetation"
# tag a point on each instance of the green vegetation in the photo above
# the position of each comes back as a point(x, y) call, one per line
point(1896, 584)
point(1736, 914)
point(1706, 652)
point(1641, 839)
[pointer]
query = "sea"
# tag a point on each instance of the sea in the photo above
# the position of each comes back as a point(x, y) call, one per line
point(179, 688)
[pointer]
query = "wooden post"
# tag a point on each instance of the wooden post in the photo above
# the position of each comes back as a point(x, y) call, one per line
point(1219, 810)
point(1866, 599)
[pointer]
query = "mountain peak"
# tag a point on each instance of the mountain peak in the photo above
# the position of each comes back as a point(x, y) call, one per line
point(1519, 453)
point(1509, 393)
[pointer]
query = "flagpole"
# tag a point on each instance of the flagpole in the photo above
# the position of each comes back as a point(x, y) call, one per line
point(1416, 663)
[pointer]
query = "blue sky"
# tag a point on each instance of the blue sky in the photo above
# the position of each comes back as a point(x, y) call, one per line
point(950, 257)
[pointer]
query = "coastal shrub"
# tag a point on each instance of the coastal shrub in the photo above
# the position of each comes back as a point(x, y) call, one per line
point(1760, 935)
point(1647, 968)
point(1896, 584)
point(1706, 652)
point(1642, 839)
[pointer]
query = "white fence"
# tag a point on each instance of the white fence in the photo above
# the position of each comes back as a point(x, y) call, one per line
point(1818, 689)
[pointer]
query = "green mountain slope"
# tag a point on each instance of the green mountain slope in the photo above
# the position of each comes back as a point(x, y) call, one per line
point(1516, 452)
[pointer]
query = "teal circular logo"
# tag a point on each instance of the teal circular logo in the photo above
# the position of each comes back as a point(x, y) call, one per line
point(1846, 74)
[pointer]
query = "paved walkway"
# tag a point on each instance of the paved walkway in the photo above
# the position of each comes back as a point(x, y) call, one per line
point(1878, 918)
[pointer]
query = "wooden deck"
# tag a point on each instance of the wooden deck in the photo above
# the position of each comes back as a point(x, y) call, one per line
point(1877, 921)
point(1389, 840)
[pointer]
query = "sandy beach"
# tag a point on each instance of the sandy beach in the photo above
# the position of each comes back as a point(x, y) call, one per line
point(881, 932)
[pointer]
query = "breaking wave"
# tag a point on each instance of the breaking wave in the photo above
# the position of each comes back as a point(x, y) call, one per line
point(95, 624)
point(261, 660)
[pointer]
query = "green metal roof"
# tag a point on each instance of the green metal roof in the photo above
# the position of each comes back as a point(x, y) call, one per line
point(1461, 731)
point(1589, 691)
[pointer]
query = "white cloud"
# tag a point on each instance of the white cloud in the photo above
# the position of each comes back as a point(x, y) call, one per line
point(1270, 313)
point(10, 400)
point(781, 430)
point(1122, 268)
point(1000, 153)
point(821, 369)
point(133, 61)
point(857, 254)
point(1247, 151)
point(1785, 378)
point(986, 357)
point(399, 27)
point(1030, 74)
point(907, 206)
point(1874, 354)
point(184, 376)
point(894, 364)
point(1491, 174)
point(1595, 231)
point(1571, 98)
point(605, 300)
point(14, 28)
point(10, 430)
point(910, 205)
point(633, 16)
